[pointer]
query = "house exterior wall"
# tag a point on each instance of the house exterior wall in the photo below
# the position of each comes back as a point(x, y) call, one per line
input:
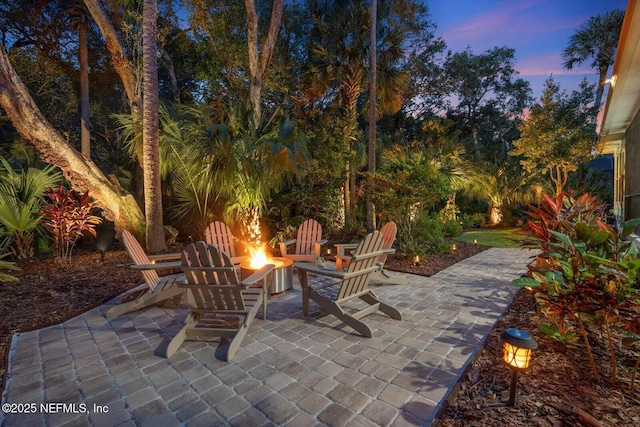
point(618, 184)
point(632, 170)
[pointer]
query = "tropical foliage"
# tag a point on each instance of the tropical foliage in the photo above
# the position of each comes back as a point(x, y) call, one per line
point(558, 134)
point(21, 196)
point(68, 216)
point(266, 127)
point(586, 278)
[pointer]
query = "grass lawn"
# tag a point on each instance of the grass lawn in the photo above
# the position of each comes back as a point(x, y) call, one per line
point(494, 237)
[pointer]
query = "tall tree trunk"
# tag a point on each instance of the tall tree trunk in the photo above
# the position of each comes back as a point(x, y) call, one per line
point(168, 64)
point(350, 92)
point(83, 55)
point(373, 65)
point(347, 194)
point(151, 131)
point(601, 82)
point(474, 135)
point(258, 64)
point(117, 204)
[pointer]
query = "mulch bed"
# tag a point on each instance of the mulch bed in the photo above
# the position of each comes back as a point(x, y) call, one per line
point(557, 390)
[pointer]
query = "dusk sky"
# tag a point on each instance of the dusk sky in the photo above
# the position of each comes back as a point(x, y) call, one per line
point(537, 29)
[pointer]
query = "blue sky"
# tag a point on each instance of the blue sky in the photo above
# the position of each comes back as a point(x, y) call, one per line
point(537, 29)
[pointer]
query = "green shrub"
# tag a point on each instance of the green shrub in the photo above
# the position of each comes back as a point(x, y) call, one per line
point(452, 228)
point(474, 220)
point(429, 235)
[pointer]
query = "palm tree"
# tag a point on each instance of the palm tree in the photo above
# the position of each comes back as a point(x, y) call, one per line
point(228, 166)
point(21, 194)
point(371, 152)
point(503, 182)
point(339, 64)
point(150, 131)
point(597, 39)
point(251, 163)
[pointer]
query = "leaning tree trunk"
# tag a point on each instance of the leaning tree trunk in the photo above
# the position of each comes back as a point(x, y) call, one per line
point(118, 205)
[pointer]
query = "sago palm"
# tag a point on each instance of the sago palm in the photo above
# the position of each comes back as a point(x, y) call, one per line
point(21, 193)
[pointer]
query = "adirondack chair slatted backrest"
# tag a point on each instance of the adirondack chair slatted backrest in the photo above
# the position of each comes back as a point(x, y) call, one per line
point(218, 233)
point(364, 258)
point(212, 279)
point(388, 231)
point(139, 257)
point(309, 233)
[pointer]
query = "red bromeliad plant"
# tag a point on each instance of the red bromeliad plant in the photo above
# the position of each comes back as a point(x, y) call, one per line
point(68, 216)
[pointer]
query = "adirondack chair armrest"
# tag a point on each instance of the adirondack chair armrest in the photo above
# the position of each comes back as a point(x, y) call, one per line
point(310, 268)
point(238, 259)
point(343, 257)
point(157, 266)
point(165, 257)
point(258, 275)
point(342, 248)
point(317, 246)
point(369, 254)
point(283, 245)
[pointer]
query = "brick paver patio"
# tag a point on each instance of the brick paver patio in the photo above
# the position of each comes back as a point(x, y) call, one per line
point(290, 370)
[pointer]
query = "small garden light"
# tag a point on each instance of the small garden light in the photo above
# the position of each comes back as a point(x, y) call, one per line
point(454, 247)
point(416, 260)
point(517, 347)
point(475, 242)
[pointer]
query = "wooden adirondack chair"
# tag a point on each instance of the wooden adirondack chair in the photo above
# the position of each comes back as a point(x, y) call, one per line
point(223, 306)
point(388, 231)
point(158, 288)
point(218, 233)
point(308, 243)
point(333, 289)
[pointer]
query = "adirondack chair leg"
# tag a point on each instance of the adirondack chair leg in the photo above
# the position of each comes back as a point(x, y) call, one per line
point(303, 277)
point(371, 299)
point(385, 277)
point(234, 345)
point(177, 341)
point(356, 324)
point(142, 301)
point(334, 309)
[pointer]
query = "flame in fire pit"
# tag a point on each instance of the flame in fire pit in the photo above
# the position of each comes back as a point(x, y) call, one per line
point(259, 257)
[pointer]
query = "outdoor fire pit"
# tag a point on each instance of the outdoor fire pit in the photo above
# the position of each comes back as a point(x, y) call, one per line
point(282, 274)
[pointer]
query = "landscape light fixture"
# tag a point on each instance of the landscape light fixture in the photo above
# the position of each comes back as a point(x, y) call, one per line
point(454, 247)
point(416, 260)
point(517, 346)
point(475, 242)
